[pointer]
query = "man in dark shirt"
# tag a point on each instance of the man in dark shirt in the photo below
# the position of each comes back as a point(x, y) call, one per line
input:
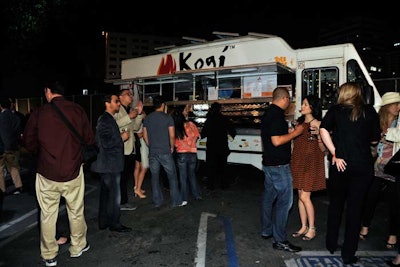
point(277, 197)
point(159, 135)
point(59, 169)
point(109, 164)
point(13, 108)
point(10, 132)
point(216, 129)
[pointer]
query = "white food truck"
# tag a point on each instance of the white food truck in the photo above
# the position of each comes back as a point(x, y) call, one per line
point(241, 73)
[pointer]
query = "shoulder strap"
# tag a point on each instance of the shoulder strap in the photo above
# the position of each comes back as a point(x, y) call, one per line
point(66, 121)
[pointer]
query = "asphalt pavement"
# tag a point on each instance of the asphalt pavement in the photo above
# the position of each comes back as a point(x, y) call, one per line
point(222, 230)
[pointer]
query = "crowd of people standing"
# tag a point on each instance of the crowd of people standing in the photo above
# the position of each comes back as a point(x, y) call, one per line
point(131, 142)
point(294, 158)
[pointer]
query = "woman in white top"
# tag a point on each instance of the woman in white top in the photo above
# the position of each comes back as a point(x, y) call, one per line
point(141, 159)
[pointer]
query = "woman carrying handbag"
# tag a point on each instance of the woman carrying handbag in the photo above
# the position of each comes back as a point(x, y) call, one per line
point(388, 117)
point(393, 135)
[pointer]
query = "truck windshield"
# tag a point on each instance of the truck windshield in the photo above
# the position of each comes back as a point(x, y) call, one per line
point(355, 74)
point(321, 82)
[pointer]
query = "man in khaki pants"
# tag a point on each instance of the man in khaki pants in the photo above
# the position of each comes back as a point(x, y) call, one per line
point(59, 169)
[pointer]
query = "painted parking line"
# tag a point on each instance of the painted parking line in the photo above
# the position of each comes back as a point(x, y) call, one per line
point(17, 220)
point(324, 259)
point(200, 260)
point(23, 223)
point(202, 241)
point(230, 243)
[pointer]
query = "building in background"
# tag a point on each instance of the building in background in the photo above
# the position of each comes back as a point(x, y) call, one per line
point(120, 46)
point(377, 42)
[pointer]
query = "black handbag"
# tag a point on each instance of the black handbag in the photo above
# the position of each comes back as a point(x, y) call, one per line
point(89, 151)
point(393, 165)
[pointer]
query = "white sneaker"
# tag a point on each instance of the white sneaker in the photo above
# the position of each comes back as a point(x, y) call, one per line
point(184, 203)
point(50, 262)
point(80, 252)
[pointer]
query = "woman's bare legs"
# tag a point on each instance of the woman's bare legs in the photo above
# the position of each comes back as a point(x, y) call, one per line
point(363, 232)
point(140, 172)
point(303, 218)
point(391, 242)
point(136, 174)
point(309, 212)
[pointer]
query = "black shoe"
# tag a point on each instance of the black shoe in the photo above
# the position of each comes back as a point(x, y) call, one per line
point(128, 206)
point(332, 250)
point(121, 229)
point(390, 263)
point(286, 246)
point(103, 227)
point(210, 187)
point(350, 260)
point(1, 203)
point(17, 191)
point(266, 236)
point(224, 186)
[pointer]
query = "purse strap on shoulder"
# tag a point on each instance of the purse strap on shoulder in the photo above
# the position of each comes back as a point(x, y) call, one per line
point(68, 123)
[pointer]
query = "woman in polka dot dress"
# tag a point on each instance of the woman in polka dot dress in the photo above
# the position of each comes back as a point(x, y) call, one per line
point(307, 165)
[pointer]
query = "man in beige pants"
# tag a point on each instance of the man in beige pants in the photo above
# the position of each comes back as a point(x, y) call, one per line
point(59, 169)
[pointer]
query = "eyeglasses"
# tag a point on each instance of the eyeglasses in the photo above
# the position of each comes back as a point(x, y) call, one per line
point(129, 94)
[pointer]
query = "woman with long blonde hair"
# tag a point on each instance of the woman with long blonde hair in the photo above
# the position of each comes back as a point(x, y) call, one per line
point(141, 158)
point(348, 130)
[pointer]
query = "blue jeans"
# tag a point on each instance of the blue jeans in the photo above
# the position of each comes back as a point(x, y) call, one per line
point(187, 172)
point(110, 198)
point(277, 187)
point(156, 161)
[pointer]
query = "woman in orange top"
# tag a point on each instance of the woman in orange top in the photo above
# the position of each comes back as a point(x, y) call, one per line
point(186, 135)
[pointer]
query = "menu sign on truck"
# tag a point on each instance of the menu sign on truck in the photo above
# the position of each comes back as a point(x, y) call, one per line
point(259, 86)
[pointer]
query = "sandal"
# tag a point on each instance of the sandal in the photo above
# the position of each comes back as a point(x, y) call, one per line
point(363, 236)
point(297, 234)
point(309, 238)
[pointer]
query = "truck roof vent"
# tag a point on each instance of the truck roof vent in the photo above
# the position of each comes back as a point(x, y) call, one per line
point(223, 35)
point(263, 35)
point(194, 40)
point(165, 48)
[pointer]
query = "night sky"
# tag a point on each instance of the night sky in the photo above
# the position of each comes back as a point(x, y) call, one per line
point(44, 38)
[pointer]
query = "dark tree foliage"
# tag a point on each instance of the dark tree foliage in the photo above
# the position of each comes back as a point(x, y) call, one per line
point(44, 38)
